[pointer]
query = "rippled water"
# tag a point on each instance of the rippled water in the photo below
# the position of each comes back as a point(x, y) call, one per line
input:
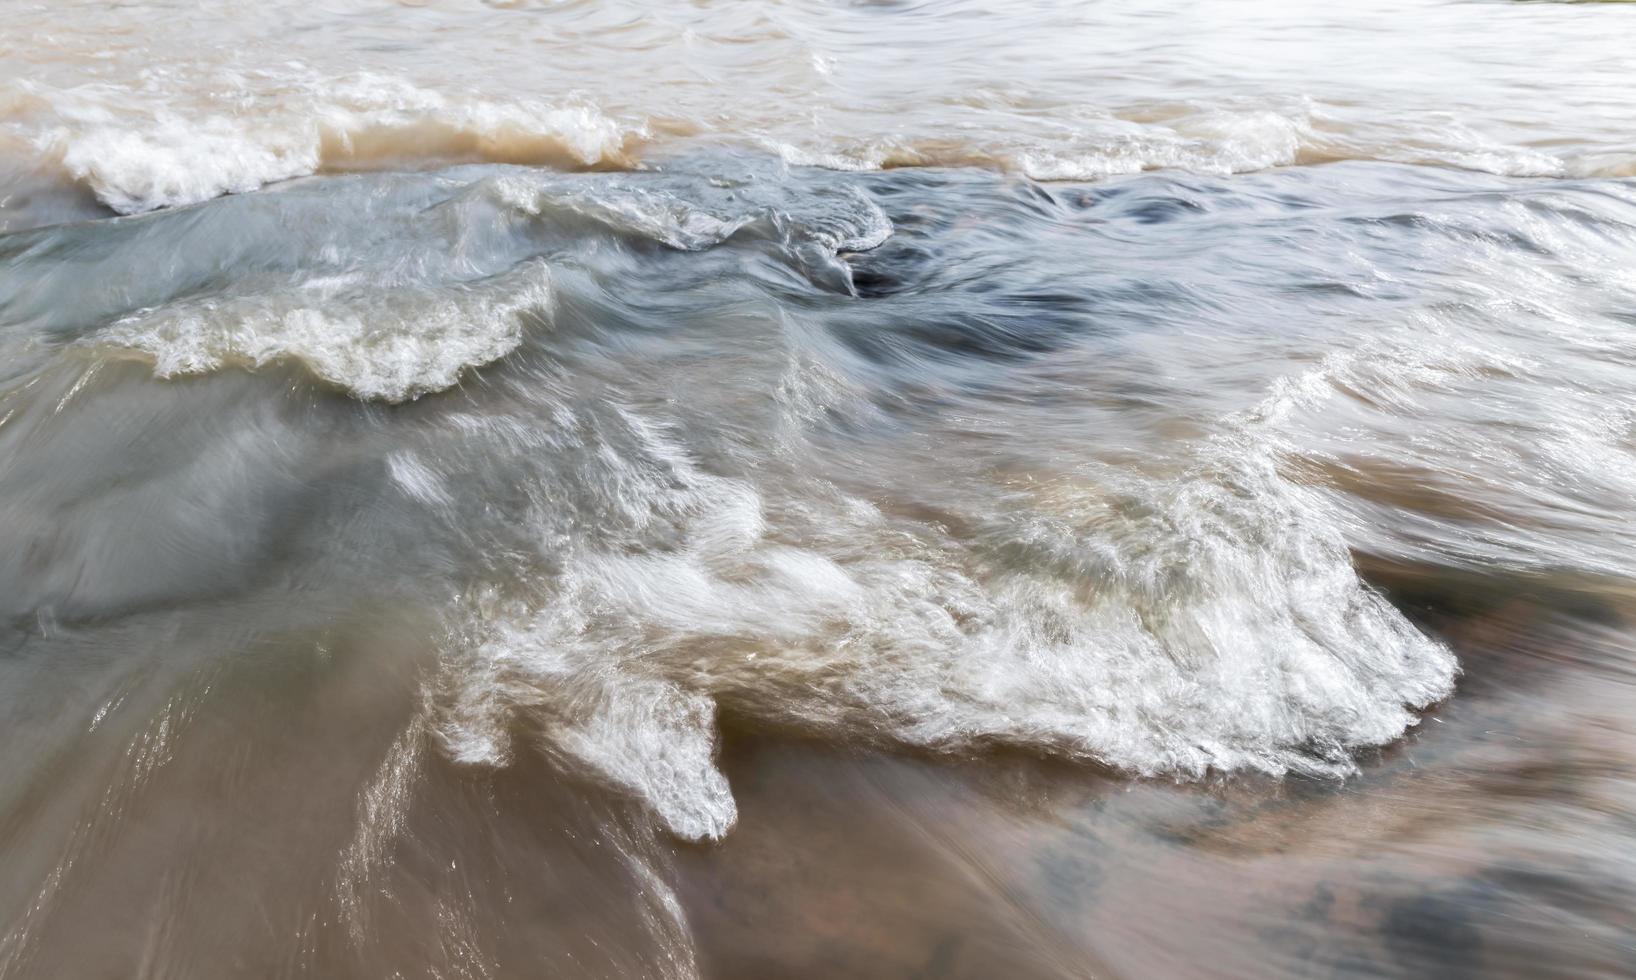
point(817, 490)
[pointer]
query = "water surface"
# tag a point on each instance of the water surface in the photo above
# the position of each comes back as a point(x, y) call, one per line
point(813, 489)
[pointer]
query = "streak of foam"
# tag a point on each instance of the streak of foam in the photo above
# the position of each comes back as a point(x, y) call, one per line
point(417, 479)
point(148, 750)
point(382, 813)
point(459, 934)
point(661, 912)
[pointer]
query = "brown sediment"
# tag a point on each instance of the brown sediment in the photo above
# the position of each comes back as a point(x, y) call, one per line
point(857, 864)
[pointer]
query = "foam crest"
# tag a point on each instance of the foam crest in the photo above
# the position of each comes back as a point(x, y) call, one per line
point(1208, 620)
point(689, 213)
point(388, 343)
point(140, 151)
point(171, 160)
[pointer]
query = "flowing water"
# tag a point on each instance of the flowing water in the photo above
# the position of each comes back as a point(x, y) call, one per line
point(1025, 489)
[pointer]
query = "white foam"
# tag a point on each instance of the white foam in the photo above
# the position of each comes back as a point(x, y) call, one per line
point(417, 479)
point(1209, 140)
point(169, 160)
point(146, 149)
point(657, 740)
point(388, 342)
point(845, 221)
point(1206, 620)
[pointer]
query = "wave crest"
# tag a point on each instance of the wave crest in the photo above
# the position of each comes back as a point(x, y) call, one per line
point(1210, 620)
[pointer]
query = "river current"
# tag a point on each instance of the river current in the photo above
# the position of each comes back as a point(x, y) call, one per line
point(813, 489)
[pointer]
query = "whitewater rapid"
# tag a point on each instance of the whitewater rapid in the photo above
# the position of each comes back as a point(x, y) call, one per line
point(721, 439)
point(879, 488)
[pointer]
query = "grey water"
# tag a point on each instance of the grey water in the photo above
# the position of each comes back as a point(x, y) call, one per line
point(360, 524)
